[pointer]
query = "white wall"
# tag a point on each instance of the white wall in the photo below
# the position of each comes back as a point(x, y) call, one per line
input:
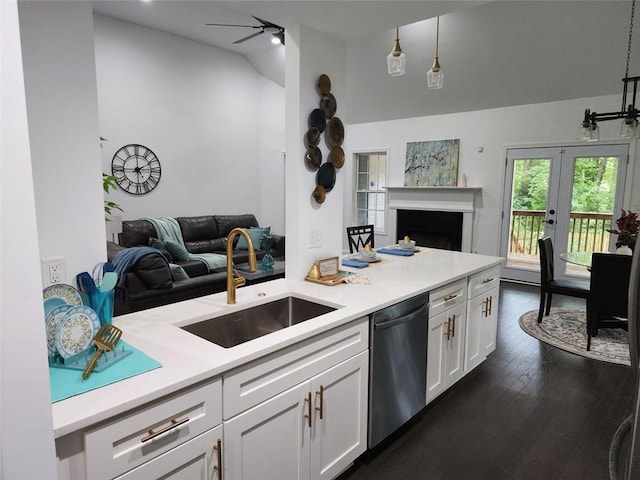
point(60, 82)
point(26, 427)
point(310, 54)
point(493, 130)
point(216, 125)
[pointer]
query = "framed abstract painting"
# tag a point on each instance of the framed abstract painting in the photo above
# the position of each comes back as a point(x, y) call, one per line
point(432, 163)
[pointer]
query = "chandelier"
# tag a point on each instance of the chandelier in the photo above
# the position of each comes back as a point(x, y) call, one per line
point(589, 129)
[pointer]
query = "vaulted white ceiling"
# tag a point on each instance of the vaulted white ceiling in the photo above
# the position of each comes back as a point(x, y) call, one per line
point(494, 54)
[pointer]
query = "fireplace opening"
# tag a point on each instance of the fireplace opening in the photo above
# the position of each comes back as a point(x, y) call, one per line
point(435, 229)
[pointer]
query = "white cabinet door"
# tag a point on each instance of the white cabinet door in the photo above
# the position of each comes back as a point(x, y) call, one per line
point(445, 350)
point(490, 322)
point(454, 365)
point(339, 433)
point(482, 321)
point(271, 441)
point(196, 459)
point(436, 351)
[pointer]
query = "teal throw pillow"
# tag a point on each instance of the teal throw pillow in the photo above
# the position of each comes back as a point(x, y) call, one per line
point(256, 235)
point(178, 251)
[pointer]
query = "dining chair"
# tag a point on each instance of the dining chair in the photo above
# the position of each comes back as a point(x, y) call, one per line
point(607, 304)
point(549, 285)
point(359, 237)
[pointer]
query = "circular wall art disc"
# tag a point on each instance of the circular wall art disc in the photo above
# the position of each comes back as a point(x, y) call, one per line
point(335, 132)
point(337, 157)
point(324, 84)
point(312, 137)
point(326, 176)
point(136, 168)
point(319, 194)
point(328, 105)
point(313, 158)
point(318, 119)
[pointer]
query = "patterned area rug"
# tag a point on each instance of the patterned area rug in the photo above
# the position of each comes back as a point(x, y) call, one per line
point(566, 328)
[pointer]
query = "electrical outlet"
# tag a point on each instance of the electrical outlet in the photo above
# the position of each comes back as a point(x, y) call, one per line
point(315, 238)
point(54, 270)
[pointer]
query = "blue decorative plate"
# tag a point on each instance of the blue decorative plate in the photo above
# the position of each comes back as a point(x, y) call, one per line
point(76, 330)
point(59, 294)
point(51, 321)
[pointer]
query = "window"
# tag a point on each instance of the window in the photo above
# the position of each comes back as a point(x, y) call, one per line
point(371, 196)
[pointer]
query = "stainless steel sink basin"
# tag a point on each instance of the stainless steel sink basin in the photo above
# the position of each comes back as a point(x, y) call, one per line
point(244, 325)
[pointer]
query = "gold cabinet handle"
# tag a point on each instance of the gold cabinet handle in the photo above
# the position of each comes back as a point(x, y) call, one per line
point(450, 297)
point(485, 307)
point(486, 280)
point(174, 424)
point(321, 407)
point(218, 467)
point(307, 400)
point(447, 330)
point(490, 300)
point(453, 330)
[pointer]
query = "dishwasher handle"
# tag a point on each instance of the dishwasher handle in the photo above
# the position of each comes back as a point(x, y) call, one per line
point(397, 321)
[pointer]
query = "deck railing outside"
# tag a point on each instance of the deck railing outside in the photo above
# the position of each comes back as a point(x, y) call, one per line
point(587, 231)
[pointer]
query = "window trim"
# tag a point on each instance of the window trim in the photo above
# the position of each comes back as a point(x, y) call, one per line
point(384, 190)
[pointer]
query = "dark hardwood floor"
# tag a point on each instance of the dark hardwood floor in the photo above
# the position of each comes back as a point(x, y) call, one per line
point(530, 411)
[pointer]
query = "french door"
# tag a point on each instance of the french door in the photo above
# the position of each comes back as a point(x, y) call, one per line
point(570, 194)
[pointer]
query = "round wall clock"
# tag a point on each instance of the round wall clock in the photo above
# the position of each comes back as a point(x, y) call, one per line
point(136, 168)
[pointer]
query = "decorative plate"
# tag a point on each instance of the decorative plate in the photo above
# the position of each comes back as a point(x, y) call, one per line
point(51, 321)
point(318, 119)
point(335, 132)
point(312, 137)
point(326, 176)
point(62, 291)
point(76, 330)
point(313, 158)
point(337, 157)
point(358, 257)
point(324, 84)
point(328, 104)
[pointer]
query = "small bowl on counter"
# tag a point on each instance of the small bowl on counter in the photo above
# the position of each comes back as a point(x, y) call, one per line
point(366, 256)
point(409, 246)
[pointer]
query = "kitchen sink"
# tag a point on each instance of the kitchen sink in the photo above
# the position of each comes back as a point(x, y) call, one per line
point(244, 325)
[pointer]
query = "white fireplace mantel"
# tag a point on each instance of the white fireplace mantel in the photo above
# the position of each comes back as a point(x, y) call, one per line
point(443, 199)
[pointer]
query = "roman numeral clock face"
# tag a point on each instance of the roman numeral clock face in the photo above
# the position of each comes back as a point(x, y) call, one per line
point(136, 168)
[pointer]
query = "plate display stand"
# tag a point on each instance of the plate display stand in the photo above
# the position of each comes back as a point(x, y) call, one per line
point(80, 360)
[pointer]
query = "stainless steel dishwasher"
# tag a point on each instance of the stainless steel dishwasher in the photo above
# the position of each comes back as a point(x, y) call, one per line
point(398, 366)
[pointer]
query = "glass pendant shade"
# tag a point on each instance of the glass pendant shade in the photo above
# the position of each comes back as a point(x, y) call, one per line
point(589, 132)
point(435, 76)
point(629, 128)
point(396, 60)
point(396, 64)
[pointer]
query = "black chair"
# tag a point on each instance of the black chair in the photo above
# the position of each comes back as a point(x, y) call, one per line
point(549, 286)
point(359, 237)
point(607, 305)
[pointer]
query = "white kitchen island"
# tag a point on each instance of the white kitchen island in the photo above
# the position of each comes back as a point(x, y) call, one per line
point(290, 379)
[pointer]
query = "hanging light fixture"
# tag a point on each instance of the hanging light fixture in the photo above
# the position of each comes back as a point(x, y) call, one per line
point(628, 113)
point(396, 60)
point(435, 77)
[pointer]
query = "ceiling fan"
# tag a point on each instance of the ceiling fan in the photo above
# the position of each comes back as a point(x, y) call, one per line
point(276, 30)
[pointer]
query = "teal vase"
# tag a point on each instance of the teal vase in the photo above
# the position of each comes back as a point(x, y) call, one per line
point(267, 260)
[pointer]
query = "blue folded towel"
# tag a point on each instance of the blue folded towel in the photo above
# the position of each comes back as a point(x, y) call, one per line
point(353, 263)
point(395, 251)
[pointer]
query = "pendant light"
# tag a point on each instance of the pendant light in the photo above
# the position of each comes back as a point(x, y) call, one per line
point(435, 77)
point(396, 60)
point(629, 127)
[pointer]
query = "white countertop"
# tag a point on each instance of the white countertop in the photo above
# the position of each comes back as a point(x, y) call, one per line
point(187, 359)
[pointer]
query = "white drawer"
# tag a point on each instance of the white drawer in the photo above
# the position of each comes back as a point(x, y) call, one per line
point(122, 444)
point(482, 282)
point(262, 379)
point(449, 296)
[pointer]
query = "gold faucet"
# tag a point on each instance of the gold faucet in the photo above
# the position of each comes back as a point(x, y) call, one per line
point(234, 279)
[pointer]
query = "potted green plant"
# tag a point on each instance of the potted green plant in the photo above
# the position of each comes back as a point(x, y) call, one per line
point(109, 183)
point(627, 230)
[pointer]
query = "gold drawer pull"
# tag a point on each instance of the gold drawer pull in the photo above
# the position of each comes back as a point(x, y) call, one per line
point(218, 449)
point(174, 424)
point(450, 297)
point(308, 401)
point(487, 280)
point(321, 407)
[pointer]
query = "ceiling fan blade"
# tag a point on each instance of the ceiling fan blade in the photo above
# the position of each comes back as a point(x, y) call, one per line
point(231, 25)
point(249, 37)
point(266, 23)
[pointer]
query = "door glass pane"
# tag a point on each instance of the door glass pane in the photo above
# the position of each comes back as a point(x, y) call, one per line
point(592, 201)
point(529, 193)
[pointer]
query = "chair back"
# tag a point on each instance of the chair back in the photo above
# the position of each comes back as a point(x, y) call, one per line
point(359, 237)
point(545, 249)
point(610, 283)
